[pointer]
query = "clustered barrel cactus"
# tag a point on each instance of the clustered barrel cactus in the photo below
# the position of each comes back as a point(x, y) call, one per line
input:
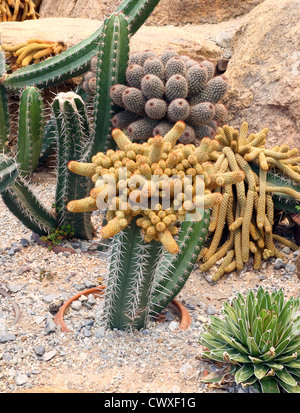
point(259, 336)
point(161, 90)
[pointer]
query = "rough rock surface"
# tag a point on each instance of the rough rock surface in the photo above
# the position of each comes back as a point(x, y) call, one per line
point(188, 40)
point(174, 12)
point(264, 72)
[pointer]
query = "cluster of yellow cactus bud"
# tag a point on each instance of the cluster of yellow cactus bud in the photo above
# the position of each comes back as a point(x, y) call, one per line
point(33, 51)
point(158, 157)
point(17, 10)
point(247, 210)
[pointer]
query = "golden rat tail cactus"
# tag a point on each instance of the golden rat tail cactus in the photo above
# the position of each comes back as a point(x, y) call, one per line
point(247, 209)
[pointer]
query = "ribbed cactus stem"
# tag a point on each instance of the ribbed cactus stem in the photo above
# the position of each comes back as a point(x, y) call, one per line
point(131, 275)
point(73, 137)
point(31, 129)
point(4, 117)
point(23, 203)
point(111, 68)
point(172, 270)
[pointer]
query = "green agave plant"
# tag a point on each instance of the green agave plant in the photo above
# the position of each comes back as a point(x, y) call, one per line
point(260, 339)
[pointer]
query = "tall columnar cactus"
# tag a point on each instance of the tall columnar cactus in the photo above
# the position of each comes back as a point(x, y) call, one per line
point(75, 60)
point(4, 117)
point(158, 189)
point(110, 69)
point(73, 130)
point(30, 129)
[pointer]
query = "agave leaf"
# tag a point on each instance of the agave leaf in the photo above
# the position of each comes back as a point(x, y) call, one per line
point(229, 310)
point(288, 388)
point(269, 385)
point(265, 343)
point(233, 357)
point(257, 329)
point(275, 366)
point(283, 334)
point(244, 373)
point(213, 355)
point(256, 360)
point(253, 347)
point(295, 373)
point(260, 371)
point(286, 377)
point(295, 364)
point(279, 349)
point(288, 358)
point(217, 324)
point(239, 346)
point(249, 382)
point(284, 318)
point(294, 345)
point(278, 298)
point(234, 329)
point(211, 343)
point(250, 302)
point(243, 331)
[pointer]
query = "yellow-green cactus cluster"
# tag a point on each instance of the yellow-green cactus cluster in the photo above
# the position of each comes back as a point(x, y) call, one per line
point(247, 208)
point(162, 157)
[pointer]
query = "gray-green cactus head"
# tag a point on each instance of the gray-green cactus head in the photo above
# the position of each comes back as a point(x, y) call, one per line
point(161, 90)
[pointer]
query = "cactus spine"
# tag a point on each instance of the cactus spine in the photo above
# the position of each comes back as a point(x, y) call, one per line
point(75, 60)
point(31, 129)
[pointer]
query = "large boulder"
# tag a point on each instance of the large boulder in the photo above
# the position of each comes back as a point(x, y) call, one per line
point(188, 40)
point(264, 72)
point(175, 12)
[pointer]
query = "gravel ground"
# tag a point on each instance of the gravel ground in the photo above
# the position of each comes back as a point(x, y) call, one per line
point(35, 356)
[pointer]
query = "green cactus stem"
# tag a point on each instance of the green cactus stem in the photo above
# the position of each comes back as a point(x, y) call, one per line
point(31, 129)
point(4, 118)
point(172, 270)
point(111, 68)
point(73, 132)
point(131, 273)
point(75, 60)
point(23, 203)
point(8, 172)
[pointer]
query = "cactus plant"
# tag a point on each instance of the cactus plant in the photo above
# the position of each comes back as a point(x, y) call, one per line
point(138, 280)
point(4, 117)
point(247, 210)
point(259, 337)
point(30, 129)
point(75, 60)
point(161, 90)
